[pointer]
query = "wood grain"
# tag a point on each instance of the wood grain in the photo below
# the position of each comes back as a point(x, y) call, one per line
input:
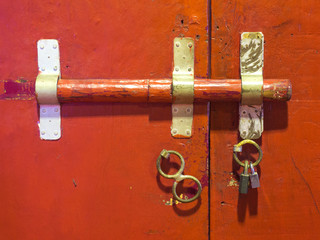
point(160, 90)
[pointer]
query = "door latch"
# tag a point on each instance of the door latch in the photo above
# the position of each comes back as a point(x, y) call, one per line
point(182, 90)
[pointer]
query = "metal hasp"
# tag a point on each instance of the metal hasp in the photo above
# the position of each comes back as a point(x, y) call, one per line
point(46, 89)
point(251, 66)
point(182, 87)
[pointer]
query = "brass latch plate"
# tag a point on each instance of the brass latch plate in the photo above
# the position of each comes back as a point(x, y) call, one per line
point(251, 66)
point(183, 88)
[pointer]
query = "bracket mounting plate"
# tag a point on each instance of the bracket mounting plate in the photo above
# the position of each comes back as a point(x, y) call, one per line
point(182, 88)
point(46, 89)
point(251, 66)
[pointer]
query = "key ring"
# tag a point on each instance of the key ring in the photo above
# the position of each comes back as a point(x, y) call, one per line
point(178, 176)
point(238, 148)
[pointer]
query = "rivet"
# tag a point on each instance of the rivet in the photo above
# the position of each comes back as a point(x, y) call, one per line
point(55, 68)
point(177, 44)
point(190, 45)
point(42, 46)
point(55, 46)
point(55, 133)
point(177, 69)
point(43, 133)
point(43, 68)
point(189, 69)
point(44, 110)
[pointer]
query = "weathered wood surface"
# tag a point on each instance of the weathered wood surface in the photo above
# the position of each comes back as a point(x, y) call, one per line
point(160, 90)
point(99, 181)
point(287, 204)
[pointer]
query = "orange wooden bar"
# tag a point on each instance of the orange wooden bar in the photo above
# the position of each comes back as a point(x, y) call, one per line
point(159, 90)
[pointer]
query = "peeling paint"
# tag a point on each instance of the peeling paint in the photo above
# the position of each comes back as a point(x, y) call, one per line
point(233, 183)
point(19, 89)
point(172, 201)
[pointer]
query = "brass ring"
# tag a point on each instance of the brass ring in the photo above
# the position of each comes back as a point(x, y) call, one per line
point(249, 142)
point(173, 176)
point(175, 184)
point(178, 176)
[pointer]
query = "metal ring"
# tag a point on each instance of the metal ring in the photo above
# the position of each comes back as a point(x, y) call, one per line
point(178, 176)
point(249, 142)
point(173, 176)
point(175, 184)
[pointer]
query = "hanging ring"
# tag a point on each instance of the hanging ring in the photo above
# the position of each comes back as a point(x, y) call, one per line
point(183, 177)
point(238, 148)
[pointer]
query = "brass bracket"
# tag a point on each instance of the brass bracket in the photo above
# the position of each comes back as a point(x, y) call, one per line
point(251, 66)
point(182, 87)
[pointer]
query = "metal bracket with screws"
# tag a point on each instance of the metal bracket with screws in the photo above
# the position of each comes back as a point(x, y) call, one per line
point(46, 89)
point(182, 87)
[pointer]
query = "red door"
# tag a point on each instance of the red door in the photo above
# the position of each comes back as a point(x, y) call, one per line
point(99, 181)
point(286, 206)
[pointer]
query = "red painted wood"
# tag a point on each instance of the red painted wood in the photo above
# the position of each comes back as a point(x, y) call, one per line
point(287, 204)
point(159, 90)
point(99, 181)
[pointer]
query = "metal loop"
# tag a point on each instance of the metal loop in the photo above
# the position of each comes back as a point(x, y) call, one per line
point(175, 184)
point(173, 176)
point(238, 146)
point(178, 176)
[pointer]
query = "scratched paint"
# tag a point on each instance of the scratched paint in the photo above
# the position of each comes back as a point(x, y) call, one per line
point(160, 90)
point(19, 89)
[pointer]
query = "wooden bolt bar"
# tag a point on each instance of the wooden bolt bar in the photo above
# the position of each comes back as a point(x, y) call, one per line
point(159, 90)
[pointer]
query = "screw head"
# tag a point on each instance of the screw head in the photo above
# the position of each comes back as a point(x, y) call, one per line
point(174, 131)
point(43, 132)
point(177, 44)
point(177, 69)
point(55, 46)
point(189, 69)
point(43, 69)
point(55, 133)
point(188, 110)
point(56, 109)
point(190, 45)
point(175, 110)
point(188, 132)
point(41, 46)
point(55, 68)
point(44, 110)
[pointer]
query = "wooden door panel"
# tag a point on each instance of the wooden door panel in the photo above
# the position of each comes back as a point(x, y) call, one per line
point(287, 204)
point(99, 181)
